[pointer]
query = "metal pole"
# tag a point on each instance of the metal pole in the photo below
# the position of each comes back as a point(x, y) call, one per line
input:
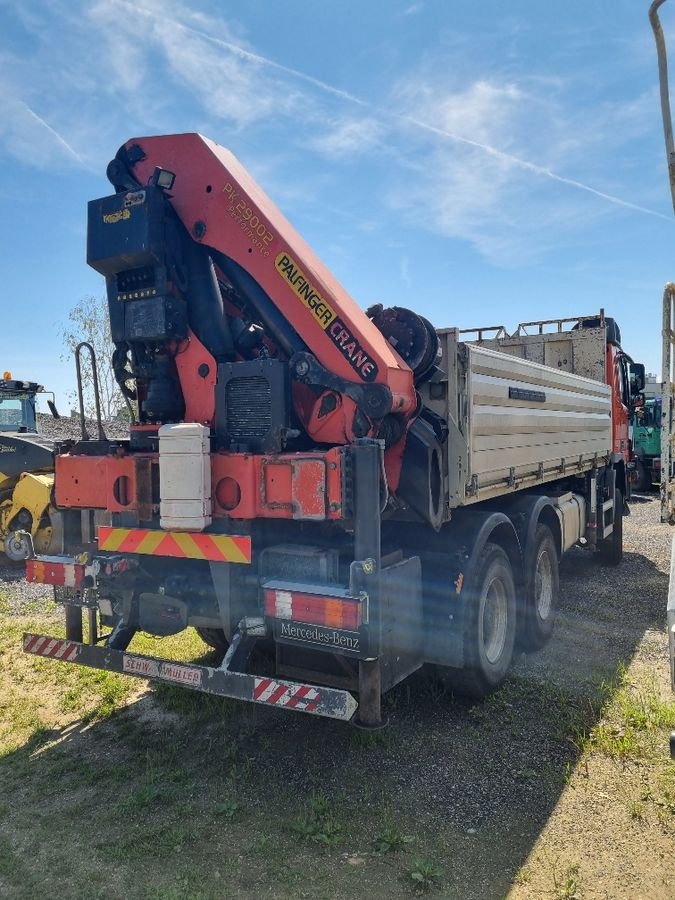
point(663, 87)
point(94, 377)
point(367, 550)
point(93, 625)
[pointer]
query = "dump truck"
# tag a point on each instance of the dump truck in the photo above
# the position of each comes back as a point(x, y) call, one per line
point(26, 473)
point(355, 494)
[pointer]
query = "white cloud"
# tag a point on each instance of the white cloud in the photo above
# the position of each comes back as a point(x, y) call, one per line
point(223, 83)
point(30, 138)
point(349, 137)
point(489, 161)
point(480, 158)
point(220, 69)
point(483, 111)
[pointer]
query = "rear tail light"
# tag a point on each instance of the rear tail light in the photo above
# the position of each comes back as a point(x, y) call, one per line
point(314, 609)
point(49, 571)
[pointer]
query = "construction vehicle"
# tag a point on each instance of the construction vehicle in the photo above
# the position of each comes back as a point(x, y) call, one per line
point(355, 494)
point(26, 472)
point(646, 439)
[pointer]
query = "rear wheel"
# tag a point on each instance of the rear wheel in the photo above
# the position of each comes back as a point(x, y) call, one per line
point(490, 629)
point(214, 637)
point(541, 590)
point(18, 546)
point(610, 550)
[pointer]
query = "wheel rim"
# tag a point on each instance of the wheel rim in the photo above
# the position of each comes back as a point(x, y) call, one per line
point(495, 620)
point(543, 585)
point(17, 547)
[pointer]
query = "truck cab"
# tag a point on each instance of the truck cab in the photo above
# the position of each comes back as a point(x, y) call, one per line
point(646, 440)
point(17, 405)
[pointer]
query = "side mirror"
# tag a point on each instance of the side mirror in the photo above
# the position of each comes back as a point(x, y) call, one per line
point(637, 378)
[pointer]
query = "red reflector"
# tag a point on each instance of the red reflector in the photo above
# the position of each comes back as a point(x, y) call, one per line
point(41, 571)
point(333, 612)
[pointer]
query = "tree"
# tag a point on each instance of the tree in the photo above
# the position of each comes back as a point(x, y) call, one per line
point(89, 321)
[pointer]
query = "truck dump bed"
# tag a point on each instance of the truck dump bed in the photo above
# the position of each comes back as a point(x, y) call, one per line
point(515, 423)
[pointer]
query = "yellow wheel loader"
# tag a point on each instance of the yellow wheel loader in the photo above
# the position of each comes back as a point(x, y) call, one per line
point(26, 473)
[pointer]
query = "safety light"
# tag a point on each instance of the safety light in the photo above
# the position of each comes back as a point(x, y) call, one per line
point(314, 609)
point(163, 178)
point(7, 376)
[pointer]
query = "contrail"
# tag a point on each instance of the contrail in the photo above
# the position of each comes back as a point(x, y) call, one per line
point(255, 57)
point(66, 146)
point(515, 161)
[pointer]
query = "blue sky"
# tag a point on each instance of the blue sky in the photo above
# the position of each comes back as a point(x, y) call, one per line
point(482, 163)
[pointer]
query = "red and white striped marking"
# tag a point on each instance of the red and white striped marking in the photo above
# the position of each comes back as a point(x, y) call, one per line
point(52, 647)
point(280, 693)
point(49, 570)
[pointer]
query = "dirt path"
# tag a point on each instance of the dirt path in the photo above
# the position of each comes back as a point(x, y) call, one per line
point(611, 832)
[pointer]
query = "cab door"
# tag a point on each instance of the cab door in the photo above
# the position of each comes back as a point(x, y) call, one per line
point(617, 369)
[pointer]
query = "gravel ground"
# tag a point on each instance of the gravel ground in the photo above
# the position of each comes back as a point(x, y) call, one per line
point(68, 428)
point(18, 595)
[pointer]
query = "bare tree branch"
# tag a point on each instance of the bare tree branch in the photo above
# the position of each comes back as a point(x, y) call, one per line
point(89, 321)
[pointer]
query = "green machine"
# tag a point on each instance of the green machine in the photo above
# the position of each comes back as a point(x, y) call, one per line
point(646, 421)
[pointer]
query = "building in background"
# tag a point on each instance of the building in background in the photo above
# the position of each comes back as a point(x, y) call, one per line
point(652, 387)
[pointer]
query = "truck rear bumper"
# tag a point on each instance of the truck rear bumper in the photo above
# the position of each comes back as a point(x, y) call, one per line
point(320, 701)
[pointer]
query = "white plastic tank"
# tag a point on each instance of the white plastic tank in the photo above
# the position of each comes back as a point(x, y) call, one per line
point(184, 477)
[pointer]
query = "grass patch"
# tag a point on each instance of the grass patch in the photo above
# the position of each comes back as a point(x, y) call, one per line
point(567, 884)
point(158, 784)
point(317, 822)
point(227, 808)
point(95, 693)
point(425, 874)
point(391, 837)
point(634, 717)
point(523, 876)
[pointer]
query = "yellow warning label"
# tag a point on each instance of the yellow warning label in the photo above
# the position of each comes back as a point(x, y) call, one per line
point(304, 291)
point(113, 218)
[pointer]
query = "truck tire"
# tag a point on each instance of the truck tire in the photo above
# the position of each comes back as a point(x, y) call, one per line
point(490, 629)
point(541, 590)
point(642, 479)
point(610, 550)
point(214, 637)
